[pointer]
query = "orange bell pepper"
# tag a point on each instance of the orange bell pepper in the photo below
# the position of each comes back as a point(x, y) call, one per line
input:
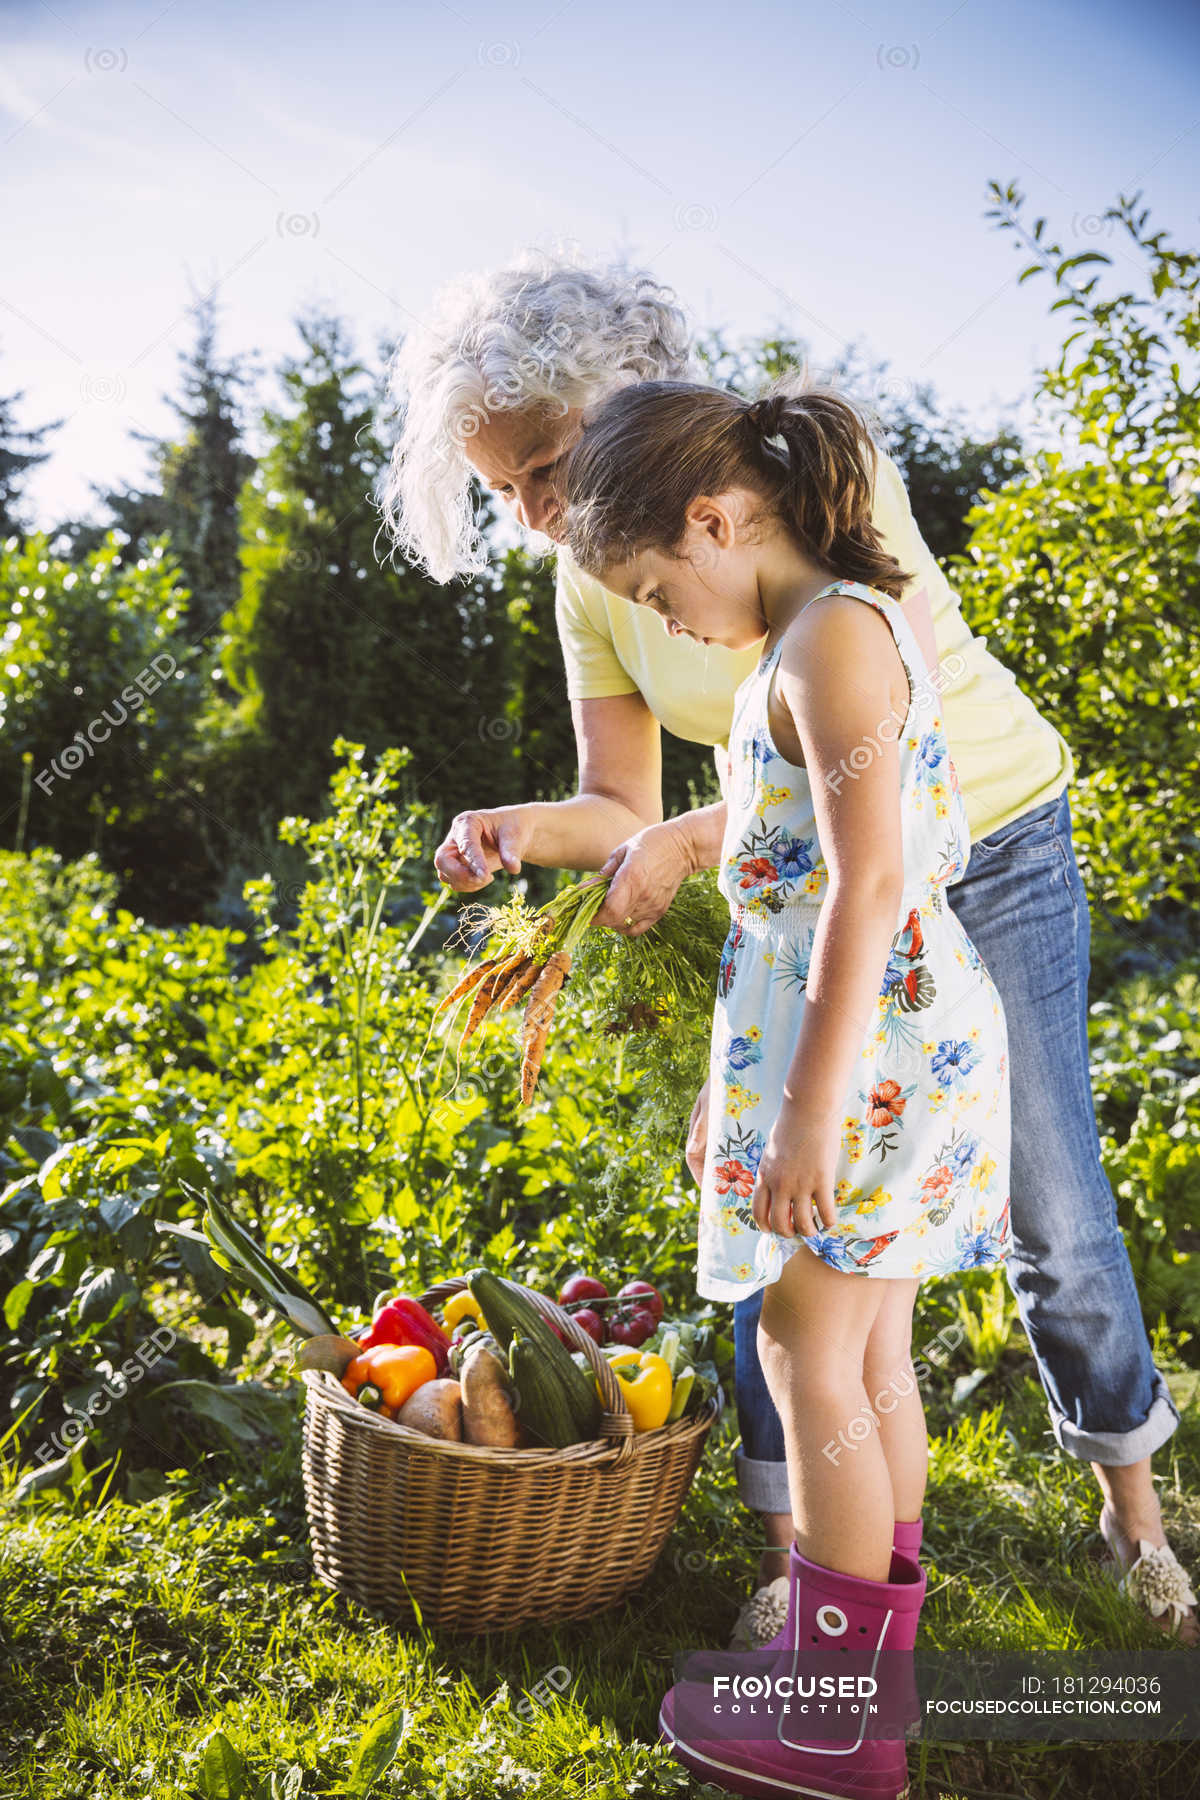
point(383, 1378)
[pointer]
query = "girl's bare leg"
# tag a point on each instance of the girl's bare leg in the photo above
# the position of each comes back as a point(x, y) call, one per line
point(813, 1333)
point(895, 1398)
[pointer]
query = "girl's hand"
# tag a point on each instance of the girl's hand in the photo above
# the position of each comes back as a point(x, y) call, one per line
point(697, 1137)
point(645, 872)
point(479, 843)
point(793, 1190)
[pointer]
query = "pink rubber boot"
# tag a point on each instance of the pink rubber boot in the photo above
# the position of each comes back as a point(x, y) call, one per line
point(906, 1537)
point(765, 1741)
point(906, 1540)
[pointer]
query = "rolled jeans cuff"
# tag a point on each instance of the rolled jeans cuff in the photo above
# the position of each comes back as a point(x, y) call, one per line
point(1116, 1449)
point(762, 1485)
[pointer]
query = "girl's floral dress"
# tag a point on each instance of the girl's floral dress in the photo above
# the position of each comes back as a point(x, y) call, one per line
point(921, 1184)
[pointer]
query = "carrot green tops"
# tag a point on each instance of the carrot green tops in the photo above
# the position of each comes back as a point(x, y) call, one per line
point(1008, 757)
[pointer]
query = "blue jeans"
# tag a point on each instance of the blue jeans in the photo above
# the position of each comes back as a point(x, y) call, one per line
point(1023, 904)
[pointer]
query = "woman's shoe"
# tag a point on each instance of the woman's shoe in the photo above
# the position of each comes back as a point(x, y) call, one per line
point(829, 1614)
point(759, 1625)
point(1155, 1581)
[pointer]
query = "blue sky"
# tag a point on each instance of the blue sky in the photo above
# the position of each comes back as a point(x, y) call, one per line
point(821, 167)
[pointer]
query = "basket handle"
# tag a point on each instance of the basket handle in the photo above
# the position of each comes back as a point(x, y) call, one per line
point(619, 1420)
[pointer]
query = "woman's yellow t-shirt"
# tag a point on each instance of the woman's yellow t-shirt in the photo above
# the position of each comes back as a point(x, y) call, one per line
point(1008, 757)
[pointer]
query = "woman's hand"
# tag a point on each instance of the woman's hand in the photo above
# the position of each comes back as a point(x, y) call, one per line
point(697, 1137)
point(479, 843)
point(645, 872)
point(793, 1190)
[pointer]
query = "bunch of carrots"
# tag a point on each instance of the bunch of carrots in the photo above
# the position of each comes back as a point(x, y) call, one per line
point(531, 954)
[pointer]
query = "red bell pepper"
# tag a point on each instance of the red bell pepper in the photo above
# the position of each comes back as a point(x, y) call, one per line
point(404, 1321)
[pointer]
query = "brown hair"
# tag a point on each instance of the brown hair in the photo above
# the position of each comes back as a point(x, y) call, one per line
point(648, 452)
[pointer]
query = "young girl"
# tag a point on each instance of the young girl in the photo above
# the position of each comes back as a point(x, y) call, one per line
point(859, 1127)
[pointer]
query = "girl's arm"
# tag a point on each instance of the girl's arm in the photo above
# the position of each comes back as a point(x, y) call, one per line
point(839, 679)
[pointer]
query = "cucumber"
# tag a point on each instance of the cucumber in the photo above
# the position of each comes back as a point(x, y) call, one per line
point(543, 1410)
point(507, 1310)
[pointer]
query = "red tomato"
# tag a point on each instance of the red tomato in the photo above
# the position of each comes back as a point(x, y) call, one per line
point(642, 1294)
point(632, 1326)
point(591, 1322)
point(582, 1287)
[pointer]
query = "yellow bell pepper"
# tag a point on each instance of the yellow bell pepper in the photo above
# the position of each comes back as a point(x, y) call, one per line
point(462, 1306)
point(647, 1392)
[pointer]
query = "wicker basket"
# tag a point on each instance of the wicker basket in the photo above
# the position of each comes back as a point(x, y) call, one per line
point(484, 1538)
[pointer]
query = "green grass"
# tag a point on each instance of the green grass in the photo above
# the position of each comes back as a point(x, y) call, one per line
point(132, 1631)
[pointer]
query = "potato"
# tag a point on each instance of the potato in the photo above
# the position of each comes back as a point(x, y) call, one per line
point(436, 1409)
point(488, 1415)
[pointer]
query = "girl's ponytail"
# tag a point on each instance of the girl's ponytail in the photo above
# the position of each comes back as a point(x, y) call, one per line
point(822, 462)
point(652, 448)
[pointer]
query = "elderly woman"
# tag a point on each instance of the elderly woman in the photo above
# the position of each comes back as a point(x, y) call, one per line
point(495, 388)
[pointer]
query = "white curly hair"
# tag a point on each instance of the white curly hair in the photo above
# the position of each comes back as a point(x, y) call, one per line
point(544, 331)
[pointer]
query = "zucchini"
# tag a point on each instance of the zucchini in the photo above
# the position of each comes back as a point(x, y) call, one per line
point(543, 1409)
point(461, 1348)
point(507, 1311)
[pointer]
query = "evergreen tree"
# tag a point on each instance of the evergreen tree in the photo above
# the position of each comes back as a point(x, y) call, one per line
point(199, 475)
point(540, 710)
point(137, 516)
point(326, 641)
point(16, 463)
